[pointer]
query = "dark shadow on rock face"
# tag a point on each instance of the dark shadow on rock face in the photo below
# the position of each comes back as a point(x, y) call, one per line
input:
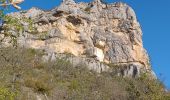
point(58, 13)
point(74, 20)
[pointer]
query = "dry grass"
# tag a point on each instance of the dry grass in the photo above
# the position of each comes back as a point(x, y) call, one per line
point(59, 80)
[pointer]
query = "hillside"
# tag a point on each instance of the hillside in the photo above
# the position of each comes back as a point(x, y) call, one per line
point(76, 51)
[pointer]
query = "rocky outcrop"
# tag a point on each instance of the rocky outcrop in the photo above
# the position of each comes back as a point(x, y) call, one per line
point(96, 34)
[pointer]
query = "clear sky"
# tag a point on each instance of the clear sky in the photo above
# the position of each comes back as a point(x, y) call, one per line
point(154, 17)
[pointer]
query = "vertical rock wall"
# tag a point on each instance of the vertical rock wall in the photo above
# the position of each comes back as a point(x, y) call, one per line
point(102, 33)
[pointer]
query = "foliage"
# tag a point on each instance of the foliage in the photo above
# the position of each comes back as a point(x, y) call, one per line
point(6, 94)
point(14, 3)
point(23, 70)
point(43, 35)
point(16, 23)
point(2, 1)
point(13, 27)
point(11, 22)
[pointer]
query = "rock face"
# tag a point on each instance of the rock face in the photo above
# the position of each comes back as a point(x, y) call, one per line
point(96, 34)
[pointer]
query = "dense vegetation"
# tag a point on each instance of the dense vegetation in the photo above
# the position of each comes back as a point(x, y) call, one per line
point(23, 76)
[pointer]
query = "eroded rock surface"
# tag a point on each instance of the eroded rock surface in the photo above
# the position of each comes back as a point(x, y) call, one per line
point(97, 34)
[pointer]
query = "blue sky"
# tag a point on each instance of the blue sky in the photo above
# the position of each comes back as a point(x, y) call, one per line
point(154, 17)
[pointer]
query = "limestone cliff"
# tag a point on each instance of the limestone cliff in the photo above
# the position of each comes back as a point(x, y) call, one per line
point(98, 35)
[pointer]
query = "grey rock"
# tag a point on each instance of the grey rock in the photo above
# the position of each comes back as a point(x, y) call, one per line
point(68, 1)
point(2, 36)
point(130, 14)
point(97, 34)
point(55, 33)
point(43, 20)
point(130, 70)
point(33, 12)
point(6, 42)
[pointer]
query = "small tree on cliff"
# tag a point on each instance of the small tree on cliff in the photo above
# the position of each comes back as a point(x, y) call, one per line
point(14, 3)
point(4, 4)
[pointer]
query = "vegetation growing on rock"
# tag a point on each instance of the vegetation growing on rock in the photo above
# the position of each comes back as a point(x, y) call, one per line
point(24, 76)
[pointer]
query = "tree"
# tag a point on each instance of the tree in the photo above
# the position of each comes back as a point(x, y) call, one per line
point(4, 4)
point(14, 3)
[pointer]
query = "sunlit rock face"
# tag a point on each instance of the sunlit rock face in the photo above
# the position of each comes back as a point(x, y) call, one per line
point(95, 33)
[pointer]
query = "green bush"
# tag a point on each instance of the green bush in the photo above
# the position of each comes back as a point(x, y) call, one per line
point(6, 94)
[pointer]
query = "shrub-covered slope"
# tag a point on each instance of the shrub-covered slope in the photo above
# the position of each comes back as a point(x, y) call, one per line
point(24, 77)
